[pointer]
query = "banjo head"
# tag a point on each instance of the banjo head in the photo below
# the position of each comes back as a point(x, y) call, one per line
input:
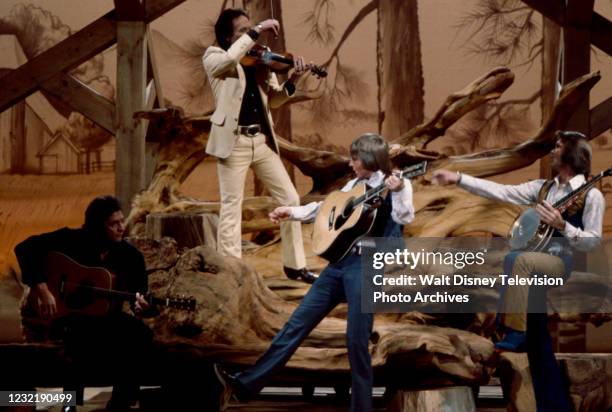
point(524, 229)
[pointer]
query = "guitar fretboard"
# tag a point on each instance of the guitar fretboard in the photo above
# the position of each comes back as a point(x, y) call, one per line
point(411, 171)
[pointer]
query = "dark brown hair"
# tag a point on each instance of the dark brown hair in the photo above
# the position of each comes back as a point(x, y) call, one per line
point(577, 152)
point(224, 27)
point(98, 211)
point(373, 152)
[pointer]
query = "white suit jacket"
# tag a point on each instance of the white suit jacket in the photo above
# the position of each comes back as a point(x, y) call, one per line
point(228, 81)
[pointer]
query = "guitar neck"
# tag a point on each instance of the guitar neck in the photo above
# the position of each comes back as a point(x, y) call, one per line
point(119, 295)
point(412, 171)
point(110, 293)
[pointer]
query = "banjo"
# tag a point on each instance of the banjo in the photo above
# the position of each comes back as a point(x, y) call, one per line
point(529, 233)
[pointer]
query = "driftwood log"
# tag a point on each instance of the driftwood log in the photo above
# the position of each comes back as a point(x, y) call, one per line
point(440, 211)
point(456, 399)
point(585, 374)
point(237, 316)
point(188, 229)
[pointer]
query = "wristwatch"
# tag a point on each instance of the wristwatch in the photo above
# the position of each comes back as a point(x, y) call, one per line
point(259, 27)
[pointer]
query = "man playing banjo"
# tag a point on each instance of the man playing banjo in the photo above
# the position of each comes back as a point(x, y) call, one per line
point(578, 227)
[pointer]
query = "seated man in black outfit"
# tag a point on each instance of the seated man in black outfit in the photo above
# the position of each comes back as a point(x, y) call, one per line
point(118, 340)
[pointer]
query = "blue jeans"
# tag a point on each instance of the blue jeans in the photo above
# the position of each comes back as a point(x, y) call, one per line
point(339, 282)
point(549, 386)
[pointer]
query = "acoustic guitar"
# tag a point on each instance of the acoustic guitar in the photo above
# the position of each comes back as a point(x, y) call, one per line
point(529, 233)
point(89, 291)
point(345, 217)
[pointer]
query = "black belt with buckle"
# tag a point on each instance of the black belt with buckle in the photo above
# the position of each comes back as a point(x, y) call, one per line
point(251, 130)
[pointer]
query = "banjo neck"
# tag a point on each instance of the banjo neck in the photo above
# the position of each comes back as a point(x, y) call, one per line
point(563, 202)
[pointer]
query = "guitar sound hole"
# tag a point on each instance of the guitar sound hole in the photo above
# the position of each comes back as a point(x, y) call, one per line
point(332, 216)
point(345, 215)
point(348, 209)
point(339, 222)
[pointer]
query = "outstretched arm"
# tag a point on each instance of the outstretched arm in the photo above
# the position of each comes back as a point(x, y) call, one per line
point(523, 194)
point(301, 213)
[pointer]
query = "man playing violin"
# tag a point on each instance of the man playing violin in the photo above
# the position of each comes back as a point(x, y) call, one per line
point(117, 339)
point(242, 134)
point(578, 228)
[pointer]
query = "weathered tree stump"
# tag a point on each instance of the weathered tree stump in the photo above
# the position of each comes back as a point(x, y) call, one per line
point(188, 229)
point(587, 374)
point(456, 399)
point(237, 316)
point(516, 382)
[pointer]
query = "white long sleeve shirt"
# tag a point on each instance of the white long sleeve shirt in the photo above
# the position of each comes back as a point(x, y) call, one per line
point(527, 193)
point(402, 209)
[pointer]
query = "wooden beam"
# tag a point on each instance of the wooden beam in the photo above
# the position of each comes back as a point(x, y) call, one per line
point(601, 33)
point(83, 99)
point(153, 95)
point(601, 117)
point(551, 34)
point(66, 55)
point(577, 55)
point(130, 10)
point(18, 135)
point(153, 68)
point(131, 89)
point(553, 9)
point(577, 39)
point(69, 53)
point(601, 28)
point(155, 8)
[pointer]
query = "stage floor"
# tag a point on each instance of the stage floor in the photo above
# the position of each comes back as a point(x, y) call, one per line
point(283, 400)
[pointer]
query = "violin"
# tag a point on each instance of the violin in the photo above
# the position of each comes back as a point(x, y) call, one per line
point(278, 63)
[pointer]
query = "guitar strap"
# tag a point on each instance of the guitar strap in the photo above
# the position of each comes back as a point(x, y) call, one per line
point(357, 181)
point(574, 208)
point(364, 181)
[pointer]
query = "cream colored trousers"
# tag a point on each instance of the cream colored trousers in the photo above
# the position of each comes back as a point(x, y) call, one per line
point(516, 297)
point(268, 167)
